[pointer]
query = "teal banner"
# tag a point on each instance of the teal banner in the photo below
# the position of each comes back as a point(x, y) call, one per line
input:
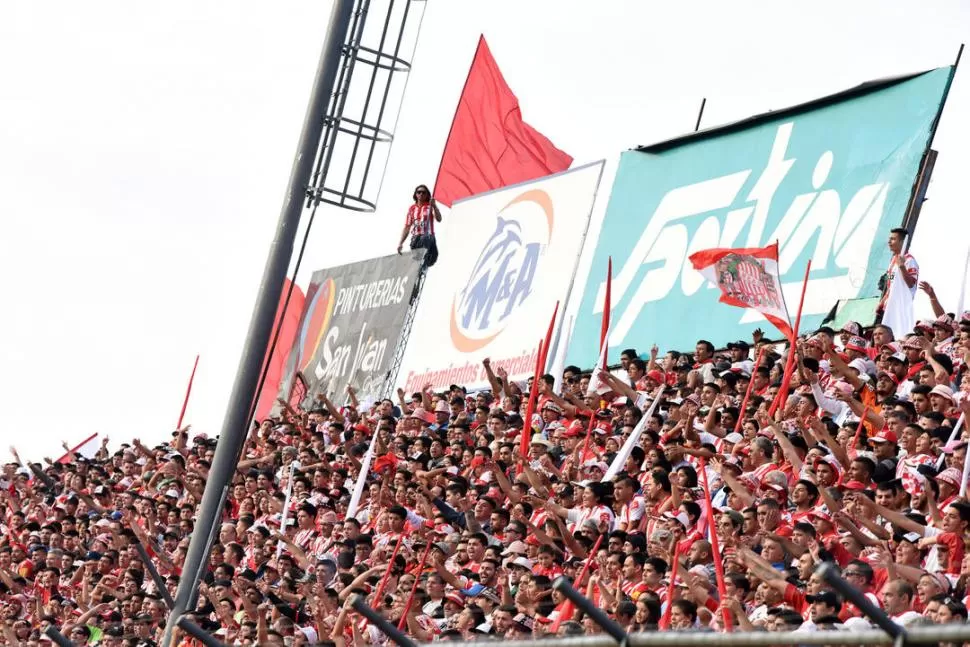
point(827, 181)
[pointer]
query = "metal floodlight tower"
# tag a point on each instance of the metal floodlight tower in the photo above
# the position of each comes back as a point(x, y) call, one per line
point(359, 127)
point(361, 143)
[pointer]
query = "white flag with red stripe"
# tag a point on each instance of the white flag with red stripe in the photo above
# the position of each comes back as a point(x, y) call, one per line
point(748, 278)
point(87, 448)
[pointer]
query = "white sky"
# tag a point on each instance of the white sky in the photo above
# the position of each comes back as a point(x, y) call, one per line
point(145, 148)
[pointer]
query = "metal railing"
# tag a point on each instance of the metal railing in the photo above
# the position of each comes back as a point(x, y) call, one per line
point(956, 633)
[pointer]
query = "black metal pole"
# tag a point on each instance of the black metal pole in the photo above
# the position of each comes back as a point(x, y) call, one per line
point(830, 573)
point(927, 162)
point(360, 606)
point(586, 605)
point(196, 631)
point(57, 637)
point(235, 427)
point(700, 115)
point(156, 578)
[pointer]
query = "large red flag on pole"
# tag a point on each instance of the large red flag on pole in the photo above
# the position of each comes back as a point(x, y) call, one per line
point(277, 362)
point(489, 146)
point(748, 278)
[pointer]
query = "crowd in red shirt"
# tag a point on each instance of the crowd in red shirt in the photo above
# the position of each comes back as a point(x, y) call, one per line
point(457, 536)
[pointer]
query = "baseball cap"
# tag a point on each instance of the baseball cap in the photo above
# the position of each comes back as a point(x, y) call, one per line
point(516, 548)
point(885, 436)
point(680, 517)
point(943, 391)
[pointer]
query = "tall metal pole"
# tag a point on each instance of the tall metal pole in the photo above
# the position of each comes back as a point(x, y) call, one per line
point(235, 424)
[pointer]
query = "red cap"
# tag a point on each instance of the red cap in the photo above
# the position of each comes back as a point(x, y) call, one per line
point(656, 376)
point(821, 515)
point(854, 485)
point(885, 436)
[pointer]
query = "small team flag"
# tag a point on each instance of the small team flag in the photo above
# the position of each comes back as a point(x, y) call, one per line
point(747, 278)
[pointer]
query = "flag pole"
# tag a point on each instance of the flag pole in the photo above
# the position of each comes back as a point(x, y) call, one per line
point(700, 114)
point(858, 432)
point(188, 391)
point(966, 473)
point(530, 406)
point(567, 607)
point(414, 588)
point(953, 436)
point(715, 547)
point(963, 286)
point(747, 392)
point(790, 364)
point(534, 391)
point(671, 588)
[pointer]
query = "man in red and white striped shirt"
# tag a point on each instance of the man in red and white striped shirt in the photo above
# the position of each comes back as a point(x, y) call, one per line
point(420, 224)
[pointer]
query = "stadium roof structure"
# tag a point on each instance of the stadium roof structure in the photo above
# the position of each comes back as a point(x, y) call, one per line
point(754, 120)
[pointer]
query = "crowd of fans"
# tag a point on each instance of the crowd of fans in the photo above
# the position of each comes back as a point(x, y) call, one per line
point(458, 536)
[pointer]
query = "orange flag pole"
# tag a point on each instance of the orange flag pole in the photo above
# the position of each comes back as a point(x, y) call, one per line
point(566, 613)
point(855, 439)
point(715, 548)
point(747, 392)
point(387, 574)
point(188, 391)
point(790, 364)
point(534, 391)
point(530, 406)
point(665, 620)
point(414, 587)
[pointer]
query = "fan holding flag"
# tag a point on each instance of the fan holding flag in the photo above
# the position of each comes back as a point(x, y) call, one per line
point(748, 278)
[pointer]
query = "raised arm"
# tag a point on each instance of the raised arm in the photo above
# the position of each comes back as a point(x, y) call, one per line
point(938, 310)
point(493, 382)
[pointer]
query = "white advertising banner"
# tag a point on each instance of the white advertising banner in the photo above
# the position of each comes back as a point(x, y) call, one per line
point(506, 257)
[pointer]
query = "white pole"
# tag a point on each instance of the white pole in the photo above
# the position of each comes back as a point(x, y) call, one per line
point(286, 508)
point(361, 478)
point(963, 285)
point(953, 436)
point(966, 469)
point(632, 441)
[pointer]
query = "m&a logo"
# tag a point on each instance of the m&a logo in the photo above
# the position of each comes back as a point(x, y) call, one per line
point(502, 277)
point(833, 225)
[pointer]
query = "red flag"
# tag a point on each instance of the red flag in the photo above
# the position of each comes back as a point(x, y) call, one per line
point(534, 392)
point(747, 278)
point(489, 146)
point(277, 363)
